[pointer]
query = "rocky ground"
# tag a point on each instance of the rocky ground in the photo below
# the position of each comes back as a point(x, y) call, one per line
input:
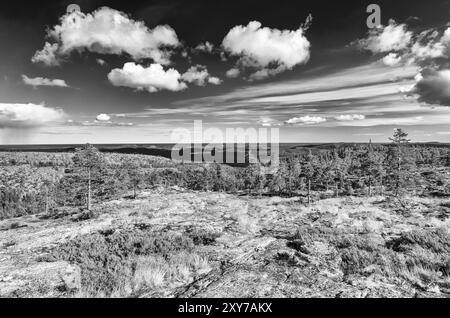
point(177, 243)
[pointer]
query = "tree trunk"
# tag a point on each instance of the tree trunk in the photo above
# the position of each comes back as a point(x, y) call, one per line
point(399, 168)
point(337, 189)
point(370, 186)
point(89, 191)
point(46, 200)
point(309, 191)
point(381, 186)
point(397, 186)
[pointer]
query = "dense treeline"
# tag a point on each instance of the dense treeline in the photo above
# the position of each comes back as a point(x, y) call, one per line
point(354, 170)
point(36, 183)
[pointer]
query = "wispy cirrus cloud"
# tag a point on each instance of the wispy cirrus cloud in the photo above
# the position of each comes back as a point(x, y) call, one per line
point(361, 96)
point(365, 75)
point(98, 123)
point(350, 117)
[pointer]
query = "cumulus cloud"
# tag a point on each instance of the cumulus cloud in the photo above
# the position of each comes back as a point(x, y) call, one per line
point(152, 78)
point(107, 31)
point(431, 53)
point(200, 76)
point(41, 81)
point(408, 90)
point(393, 37)
point(101, 62)
point(196, 74)
point(446, 37)
point(405, 46)
point(27, 115)
point(392, 59)
point(350, 117)
point(269, 122)
point(428, 47)
point(431, 50)
point(233, 73)
point(306, 120)
point(433, 87)
point(428, 50)
point(205, 47)
point(269, 51)
point(48, 55)
point(214, 80)
point(103, 117)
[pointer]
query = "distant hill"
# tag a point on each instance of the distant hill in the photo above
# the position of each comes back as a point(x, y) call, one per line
point(164, 150)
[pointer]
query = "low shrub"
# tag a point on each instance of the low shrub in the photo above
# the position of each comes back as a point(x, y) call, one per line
point(202, 237)
point(436, 240)
point(107, 259)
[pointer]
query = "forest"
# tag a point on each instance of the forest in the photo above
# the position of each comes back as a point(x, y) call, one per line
point(32, 183)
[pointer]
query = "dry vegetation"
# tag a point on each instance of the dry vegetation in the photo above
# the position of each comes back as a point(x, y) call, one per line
point(376, 226)
point(175, 242)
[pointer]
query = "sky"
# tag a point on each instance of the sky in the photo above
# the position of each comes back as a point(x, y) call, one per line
point(73, 72)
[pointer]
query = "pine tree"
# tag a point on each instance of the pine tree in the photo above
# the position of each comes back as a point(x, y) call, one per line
point(254, 178)
point(400, 161)
point(88, 159)
point(293, 177)
point(339, 171)
point(371, 166)
point(309, 169)
point(134, 174)
point(278, 182)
